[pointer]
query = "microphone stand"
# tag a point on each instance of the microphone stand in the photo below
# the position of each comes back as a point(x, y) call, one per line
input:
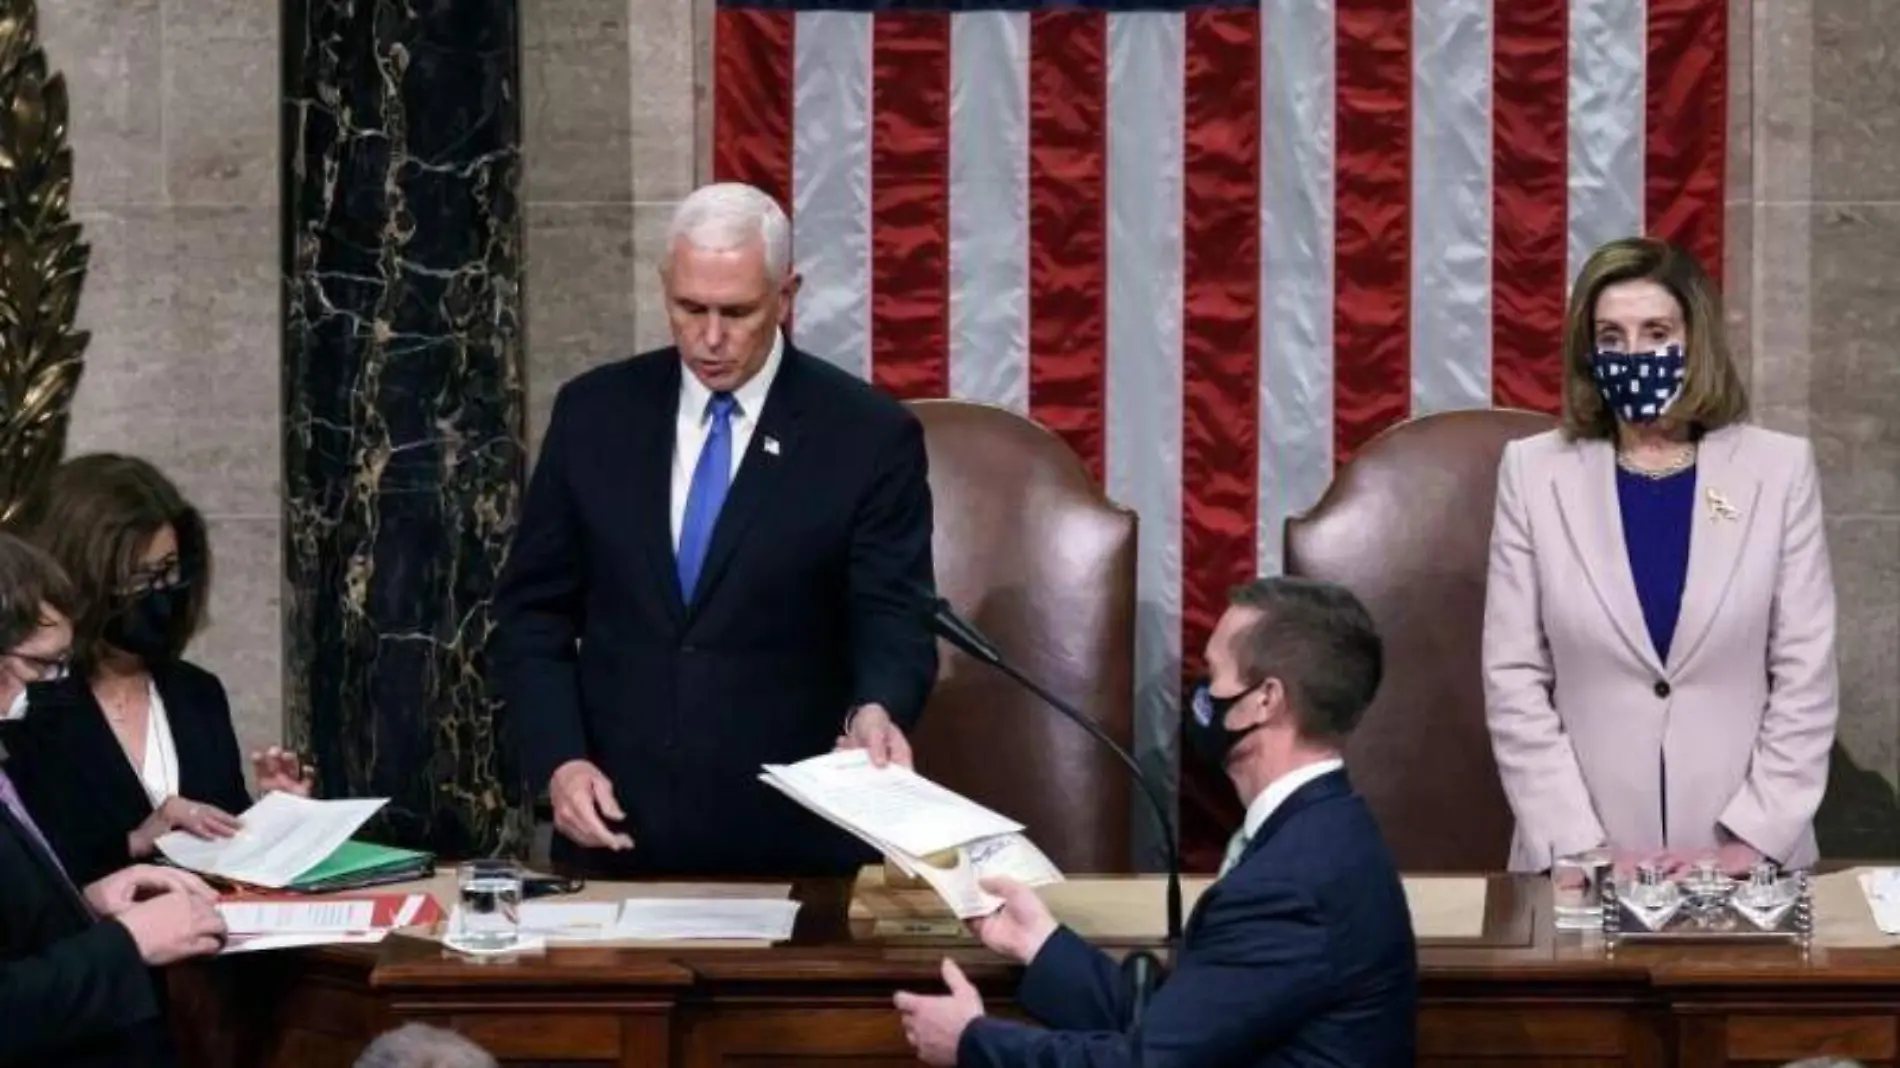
point(1143, 969)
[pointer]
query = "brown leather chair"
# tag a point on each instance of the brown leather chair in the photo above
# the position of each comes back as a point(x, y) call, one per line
point(1029, 550)
point(1407, 527)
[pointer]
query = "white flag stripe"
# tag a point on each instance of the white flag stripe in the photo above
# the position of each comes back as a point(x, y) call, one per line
point(1296, 256)
point(1609, 47)
point(1451, 205)
point(989, 208)
point(1146, 86)
point(831, 186)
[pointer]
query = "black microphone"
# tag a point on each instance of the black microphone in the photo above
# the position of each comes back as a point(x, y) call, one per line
point(1142, 967)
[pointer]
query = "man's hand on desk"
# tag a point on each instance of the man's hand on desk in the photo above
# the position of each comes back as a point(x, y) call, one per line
point(1020, 927)
point(127, 887)
point(583, 799)
point(934, 1025)
point(174, 926)
point(871, 728)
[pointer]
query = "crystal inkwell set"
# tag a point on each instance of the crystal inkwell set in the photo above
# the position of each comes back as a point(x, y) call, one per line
point(1704, 904)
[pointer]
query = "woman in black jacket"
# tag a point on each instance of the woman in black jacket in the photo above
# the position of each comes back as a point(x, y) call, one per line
point(136, 742)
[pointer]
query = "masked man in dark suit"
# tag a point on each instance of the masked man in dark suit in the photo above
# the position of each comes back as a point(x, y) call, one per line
point(76, 986)
point(1301, 953)
point(710, 574)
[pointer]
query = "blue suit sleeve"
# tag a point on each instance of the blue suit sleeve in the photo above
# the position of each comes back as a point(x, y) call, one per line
point(1255, 969)
point(1073, 986)
point(539, 617)
point(894, 657)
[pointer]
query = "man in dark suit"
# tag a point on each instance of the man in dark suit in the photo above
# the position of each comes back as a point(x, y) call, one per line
point(75, 986)
point(710, 573)
point(1301, 953)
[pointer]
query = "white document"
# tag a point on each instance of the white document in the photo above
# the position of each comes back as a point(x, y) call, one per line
point(258, 943)
point(892, 804)
point(908, 818)
point(570, 921)
point(315, 916)
point(1882, 887)
point(733, 919)
point(282, 837)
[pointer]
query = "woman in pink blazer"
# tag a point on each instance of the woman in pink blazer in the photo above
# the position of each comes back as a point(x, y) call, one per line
point(1659, 657)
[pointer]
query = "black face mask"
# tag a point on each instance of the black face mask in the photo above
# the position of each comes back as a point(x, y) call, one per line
point(145, 627)
point(1206, 725)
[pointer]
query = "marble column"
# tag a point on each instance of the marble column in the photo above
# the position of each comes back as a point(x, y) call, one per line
point(403, 453)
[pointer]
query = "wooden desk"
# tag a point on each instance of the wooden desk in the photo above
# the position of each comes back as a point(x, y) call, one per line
point(1522, 996)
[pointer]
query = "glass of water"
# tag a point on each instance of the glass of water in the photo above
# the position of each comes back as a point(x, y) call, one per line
point(1576, 890)
point(490, 913)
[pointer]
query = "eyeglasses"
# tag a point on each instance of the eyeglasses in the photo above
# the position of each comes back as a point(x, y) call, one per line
point(163, 575)
point(50, 668)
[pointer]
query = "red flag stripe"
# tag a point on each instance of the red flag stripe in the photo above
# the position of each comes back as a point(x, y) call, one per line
point(1530, 179)
point(910, 199)
point(1372, 237)
point(752, 99)
point(1068, 240)
point(1686, 132)
point(1220, 340)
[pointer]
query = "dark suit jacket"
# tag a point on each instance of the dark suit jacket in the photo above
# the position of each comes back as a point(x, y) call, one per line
point(79, 785)
point(1302, 955)
point(799, 617)
point(73, 992)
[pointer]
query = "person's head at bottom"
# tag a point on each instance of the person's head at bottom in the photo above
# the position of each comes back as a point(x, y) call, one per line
point(1292, 665)
point(421, 1046)
point(36, 631)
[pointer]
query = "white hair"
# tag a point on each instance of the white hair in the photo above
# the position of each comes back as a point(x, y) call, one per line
point(730, 215)
point(421, 1046)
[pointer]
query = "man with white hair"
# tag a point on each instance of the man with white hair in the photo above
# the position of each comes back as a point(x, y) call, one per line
point(710, 574)
point(421, 1046)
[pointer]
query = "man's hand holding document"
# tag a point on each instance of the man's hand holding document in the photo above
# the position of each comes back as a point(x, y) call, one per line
point(930, 832)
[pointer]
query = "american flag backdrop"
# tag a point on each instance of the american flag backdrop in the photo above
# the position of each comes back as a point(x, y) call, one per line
point(1216, 246)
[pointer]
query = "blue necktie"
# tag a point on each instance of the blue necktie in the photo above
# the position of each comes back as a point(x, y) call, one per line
point(710, 480)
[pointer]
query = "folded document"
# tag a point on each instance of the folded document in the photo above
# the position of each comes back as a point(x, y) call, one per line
point(930, 832)
point(283, 838)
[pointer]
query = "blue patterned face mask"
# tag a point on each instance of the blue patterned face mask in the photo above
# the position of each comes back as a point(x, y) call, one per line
point(1639, 386)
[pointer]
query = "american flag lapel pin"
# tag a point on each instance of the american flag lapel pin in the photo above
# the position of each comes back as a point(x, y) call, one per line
point(771, 445)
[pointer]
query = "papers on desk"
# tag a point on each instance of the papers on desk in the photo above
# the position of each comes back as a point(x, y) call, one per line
point(670, 919)
point(1882, 887)
point(283, 836)
point(930, 832)
point(279, 923)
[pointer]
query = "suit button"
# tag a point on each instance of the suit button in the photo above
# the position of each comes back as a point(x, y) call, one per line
point(1662, 688)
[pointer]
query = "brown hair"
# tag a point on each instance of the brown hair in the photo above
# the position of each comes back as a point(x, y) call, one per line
point(30, 583)
point(1320, 642)
point(95, 516)
point(1713, 393)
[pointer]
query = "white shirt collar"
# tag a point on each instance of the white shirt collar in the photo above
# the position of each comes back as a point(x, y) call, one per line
point(1282, 788)
point(751, 397)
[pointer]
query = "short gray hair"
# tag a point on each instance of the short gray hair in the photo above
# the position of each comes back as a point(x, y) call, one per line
point(421, 1046)
point(730, 215)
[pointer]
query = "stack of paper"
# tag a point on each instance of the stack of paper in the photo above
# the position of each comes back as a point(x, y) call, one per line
point(930, 832)
point(280, 923)
point(296, 843)
point(657, 920)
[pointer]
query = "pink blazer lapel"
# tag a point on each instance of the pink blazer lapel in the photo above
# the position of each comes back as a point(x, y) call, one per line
point(1727, 495)
point(1586, 498)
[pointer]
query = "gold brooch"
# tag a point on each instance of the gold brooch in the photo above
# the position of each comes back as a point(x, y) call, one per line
point(1721, 507)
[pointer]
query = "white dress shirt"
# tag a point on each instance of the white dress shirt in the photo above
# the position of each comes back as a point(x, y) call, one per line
point(694, 423)
point(1269, 799)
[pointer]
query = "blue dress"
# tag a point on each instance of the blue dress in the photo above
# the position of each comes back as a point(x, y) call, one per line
point(1657, 513)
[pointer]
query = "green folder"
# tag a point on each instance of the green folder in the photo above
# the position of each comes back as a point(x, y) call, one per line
point(359, 864)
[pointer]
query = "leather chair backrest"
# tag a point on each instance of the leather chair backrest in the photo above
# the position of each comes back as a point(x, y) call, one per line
point(1406, 525)
point(1029, 550)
